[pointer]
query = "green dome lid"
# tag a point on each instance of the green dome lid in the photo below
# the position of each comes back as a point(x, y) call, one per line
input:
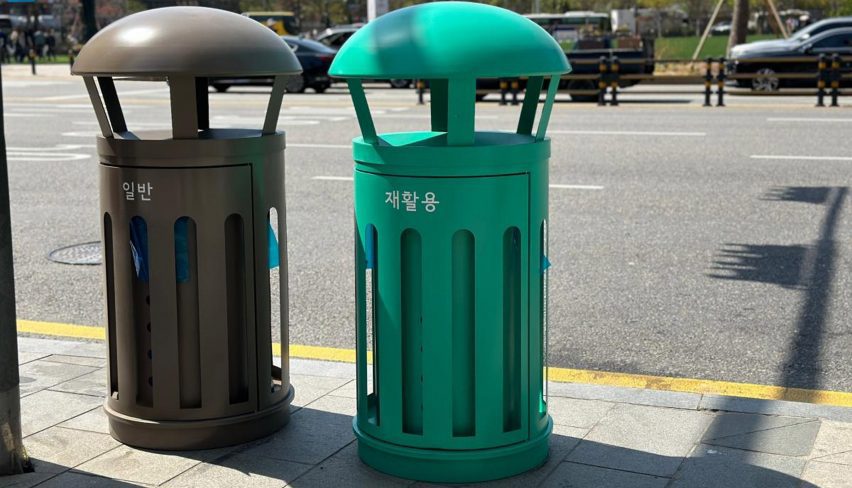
point(450, 40)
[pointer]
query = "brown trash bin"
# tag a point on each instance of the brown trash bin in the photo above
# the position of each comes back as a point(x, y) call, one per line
point(186, 223)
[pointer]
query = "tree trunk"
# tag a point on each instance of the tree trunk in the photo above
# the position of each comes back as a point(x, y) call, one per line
point(13, 457)
point(90, 24)
point(739, 24)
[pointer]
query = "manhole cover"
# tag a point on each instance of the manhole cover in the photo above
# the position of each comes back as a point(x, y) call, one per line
point(87, 253)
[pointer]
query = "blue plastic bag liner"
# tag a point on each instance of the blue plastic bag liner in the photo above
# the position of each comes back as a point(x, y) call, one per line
point(370, 244)
point(139, 247)
point(545, 263)
point(274, 261)
point(182, 250)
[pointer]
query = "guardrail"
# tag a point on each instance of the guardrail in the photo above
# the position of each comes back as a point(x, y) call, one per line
point(827, 74)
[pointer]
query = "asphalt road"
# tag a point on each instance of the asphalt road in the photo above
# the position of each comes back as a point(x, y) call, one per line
point(685, 241)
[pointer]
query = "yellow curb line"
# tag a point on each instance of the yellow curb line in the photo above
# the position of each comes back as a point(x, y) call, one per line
point(560, 375)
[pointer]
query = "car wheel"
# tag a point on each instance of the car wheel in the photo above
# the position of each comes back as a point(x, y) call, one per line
point(295, 84)
point(582, 85)
point(398, 83)
point(766, 81)
point(320, 88)
point(480, 97)
point(221, 88)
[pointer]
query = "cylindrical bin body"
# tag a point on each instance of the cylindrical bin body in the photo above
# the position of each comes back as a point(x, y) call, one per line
point(451, 300)
point(186, 226)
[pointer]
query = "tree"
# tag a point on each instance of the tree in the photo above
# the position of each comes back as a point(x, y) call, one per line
point(739, 24)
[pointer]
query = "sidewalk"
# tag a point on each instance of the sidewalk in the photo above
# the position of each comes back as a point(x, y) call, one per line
point(603, 437)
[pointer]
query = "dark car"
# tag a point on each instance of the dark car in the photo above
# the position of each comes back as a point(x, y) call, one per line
point(335, 37)
point(756, 59)
point(315, 59)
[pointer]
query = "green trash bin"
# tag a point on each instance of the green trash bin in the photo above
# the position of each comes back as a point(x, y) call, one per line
point(451, 244)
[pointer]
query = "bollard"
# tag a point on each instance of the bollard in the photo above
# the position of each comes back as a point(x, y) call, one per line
point(451, 250)
point(420, 88)
point(720, 83)
point(602, 81)
point(504, 86)
point(615, 68)
point(71, 57)
point(835, 79)
point(821, 65)
point(515, 86)
point(32, 56)
point(708, 81)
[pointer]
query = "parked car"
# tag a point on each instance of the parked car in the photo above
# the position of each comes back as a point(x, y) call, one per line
point(721, 29)
point(334, 37)
point(828, 42)
point(315, 59)
point(802, 34)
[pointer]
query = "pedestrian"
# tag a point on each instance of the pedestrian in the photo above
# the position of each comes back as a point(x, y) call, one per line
point(39, 43)
point(51, 45)
point(4, 42)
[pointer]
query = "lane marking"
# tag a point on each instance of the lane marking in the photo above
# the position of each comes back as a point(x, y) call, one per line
point(322, 146)
point(804, 158)
point(805, 119)
point(561, 187)
point(626, 133)
point(333, 178)
point(124, 93)
point(558, 375)
point(577, 187)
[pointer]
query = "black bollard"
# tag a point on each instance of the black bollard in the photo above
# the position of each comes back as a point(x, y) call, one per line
point(516, 85)
point(615, 69)
point(720, 86)
point(821, 65)
point(708, 82)
point(504, 87)
point(420, 86)
point(602, 81)
point(835, 79)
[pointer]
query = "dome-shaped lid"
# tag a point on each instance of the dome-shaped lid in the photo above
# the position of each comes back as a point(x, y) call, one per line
point(450, 40)
point(193, 41)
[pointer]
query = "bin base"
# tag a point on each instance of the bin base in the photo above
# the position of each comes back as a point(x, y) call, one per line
point(446, 466)
point(174, 435)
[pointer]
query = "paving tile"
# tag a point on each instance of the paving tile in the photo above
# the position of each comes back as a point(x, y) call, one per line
point(833, 443)
point(571, 475)
point(721, 467)
point(345, 470)
point(648, 440)
point(41, 374)
point(827, 475)
point(81, 360)
point(57, 449)
point(788, 436)
point(73, 479)
point(335, 405)
point(240, 470)
point(775, 407)
point(635, 396)
point(48, 408)
point(563, 440)
point(322, 368)
point(95, 420)
point(62, 346)
point(577, 413)
point(25, 480)
point(92, 384)
point(309, 388)
point(310, 437)
point(26, 357)
point(126, 463)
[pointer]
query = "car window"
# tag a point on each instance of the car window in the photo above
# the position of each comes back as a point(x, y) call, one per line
point(837, 41)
